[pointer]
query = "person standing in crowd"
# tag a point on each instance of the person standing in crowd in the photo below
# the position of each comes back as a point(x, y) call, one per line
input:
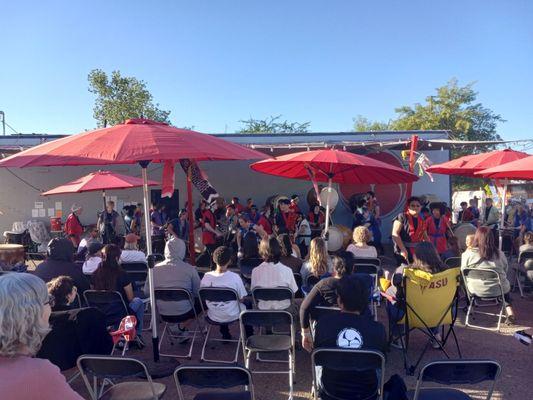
point(271, 273)
point(59, 261)
point(110, 276)
point(473, 208)
point(136, 224)
point(465, 215)
point(179, 227)
point(485, 254)
point(317, 220)
point(284, 218)
point(302, 237)
point(73, 226)
point(158, 219)
point(245, 227)
point(360, 247)
point(226, 311)
point(24, 313)
point(249, 205)
point(349, 329)
point(265, 220)
point(520, 224)
point(408, 229)
point(437, 227)
point(239, 208)
point(361, 214)
point(129, 218)
point(210, 233)
point(491, 217)
point(93, 258)
point(131, 252)
point(174, 273)
point(375, 226)
point(107, 223)
point(294, 204)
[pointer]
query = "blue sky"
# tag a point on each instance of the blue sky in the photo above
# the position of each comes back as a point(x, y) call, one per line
point(213, 63)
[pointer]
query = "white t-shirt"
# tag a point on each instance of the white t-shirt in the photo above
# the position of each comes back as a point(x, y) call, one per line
point(224, 311)
point(270, 275)
point(132, 256)
point(364, 252)
point(90, 265)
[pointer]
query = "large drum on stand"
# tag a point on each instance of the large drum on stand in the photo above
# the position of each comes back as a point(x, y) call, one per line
point(11, 255)
point(335, 239)
point(461, 231)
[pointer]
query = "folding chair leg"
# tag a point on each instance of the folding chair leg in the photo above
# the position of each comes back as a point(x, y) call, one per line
point(517, 282)
point(291, 374)
point(207, 339)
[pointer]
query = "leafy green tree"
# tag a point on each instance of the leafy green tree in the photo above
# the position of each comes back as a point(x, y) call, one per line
point(363, 124)
point(273, 125)
point(119, 98)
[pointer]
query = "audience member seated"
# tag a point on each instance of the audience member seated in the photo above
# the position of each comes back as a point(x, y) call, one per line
point(528, 242)
point(250, 254)
point(59, 261)
point(174, 273)
point(485, 254)
point(319, 264)
point(110, 276)
point(287, 258)
point(230, 310)
point(452, 250)
point(527, 266)
point(272, 273)
point(63, 292)
point(93, 258)
point(83, 247)
point(324, 294)
point(360, 247)
point(425, 258)
point(24, 314)
point(131, 252)
point(349, 329)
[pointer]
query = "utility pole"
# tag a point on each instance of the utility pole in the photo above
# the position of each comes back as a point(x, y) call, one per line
point(3, 115)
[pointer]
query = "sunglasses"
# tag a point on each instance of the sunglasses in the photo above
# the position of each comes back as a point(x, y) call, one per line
point(51, 301)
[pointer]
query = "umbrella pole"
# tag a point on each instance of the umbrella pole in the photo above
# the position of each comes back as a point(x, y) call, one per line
point(155, 340)
point(502, 223)
point(326, 226)
point(192, 258)
point(103, 197)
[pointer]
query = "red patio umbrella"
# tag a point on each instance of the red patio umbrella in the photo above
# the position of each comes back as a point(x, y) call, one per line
point(519, 169)
point(470, 164)
point(135, 141)
point(332, 165)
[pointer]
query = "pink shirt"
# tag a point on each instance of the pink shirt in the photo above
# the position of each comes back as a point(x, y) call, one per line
point(23, 378)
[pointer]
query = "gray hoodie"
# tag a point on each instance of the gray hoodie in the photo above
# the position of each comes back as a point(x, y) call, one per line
point(174, 273)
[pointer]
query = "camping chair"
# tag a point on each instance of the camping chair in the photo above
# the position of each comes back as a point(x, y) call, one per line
point(215, 377)
point(110, 369)
point(109, 302)
point(525, 260)
point(174, 295)
point(475, 300)
point(274, 343)
point(427, 301)
point(346, 360)
point(454, 372)
point(453, 262)
point(217, 295)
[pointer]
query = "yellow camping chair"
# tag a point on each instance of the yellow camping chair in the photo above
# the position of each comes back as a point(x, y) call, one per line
point(428, 302)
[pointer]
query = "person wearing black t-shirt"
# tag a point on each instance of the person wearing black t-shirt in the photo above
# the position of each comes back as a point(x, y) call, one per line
point(349, 330)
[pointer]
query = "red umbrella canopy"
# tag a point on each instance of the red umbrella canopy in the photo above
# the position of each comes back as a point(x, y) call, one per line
point(519, 169)
point(99, 180)
point(469, 165)
point(128, 143)
point(342, 166)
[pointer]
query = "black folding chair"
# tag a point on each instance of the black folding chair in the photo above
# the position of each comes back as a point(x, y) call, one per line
point(217, 295)
point(109, 302)
point(476, 300)
point(158, 257)
point(177, 295)
point(453, 373)
point(346, 360)
point(365, 261)
point(453, 262)
point(137, 271)
point(374, 271)
point(215, 377)
point(525, 261)
point(110, 369)
point(274, 343)
point(298, 279)
point(271, 294)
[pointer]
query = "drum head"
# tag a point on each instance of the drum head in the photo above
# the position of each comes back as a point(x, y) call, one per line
point(333, 197)
point(335, 239)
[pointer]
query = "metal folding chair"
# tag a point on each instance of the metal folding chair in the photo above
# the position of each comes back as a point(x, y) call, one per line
point(274, 343)
point(347, 360)
point(454, 372)
point(175, 295)
point(475, 300)
point(366, 260)
point(111, 369)
point(525, 259)
point(215, 377)
point(375, 297)
point(218, 295)
point(137, 271)
point(109, 302)
point(298, 279)
point(271, 294)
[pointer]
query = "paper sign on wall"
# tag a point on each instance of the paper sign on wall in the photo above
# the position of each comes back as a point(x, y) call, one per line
point(51, 212)
point(39, 204)
point(34, 213)
point(59, 205)
point(59, 213)
point(42, 213)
